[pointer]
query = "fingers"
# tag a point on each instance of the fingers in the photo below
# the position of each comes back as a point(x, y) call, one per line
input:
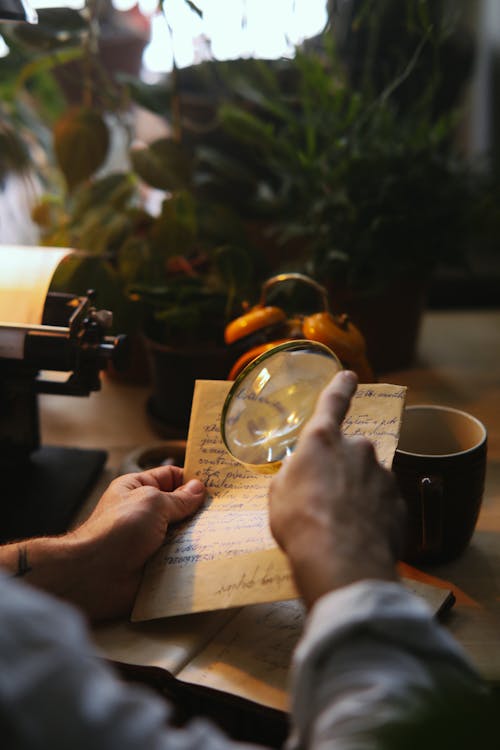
point(161, 490)
point(333, 403)
point(184, 501)
point(166, 478)
point(181, 500)
point(362, 452)
point(336, 397)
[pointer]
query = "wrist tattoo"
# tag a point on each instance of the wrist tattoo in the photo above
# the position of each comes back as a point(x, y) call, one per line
point(23, 565)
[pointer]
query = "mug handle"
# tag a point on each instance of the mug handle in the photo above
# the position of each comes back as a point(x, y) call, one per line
point(431, 498)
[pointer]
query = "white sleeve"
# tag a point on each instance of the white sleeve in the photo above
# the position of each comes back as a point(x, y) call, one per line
point(55, 693)
point(367, 651)
point(372, 656)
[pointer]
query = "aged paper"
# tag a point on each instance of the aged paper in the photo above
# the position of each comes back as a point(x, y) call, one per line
point(25, 276)
point(245, 652)
point(169, 644)
point(251, 655)
point(225, 556)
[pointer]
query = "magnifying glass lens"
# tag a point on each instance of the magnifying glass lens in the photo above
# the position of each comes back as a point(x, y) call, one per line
point(272, 399)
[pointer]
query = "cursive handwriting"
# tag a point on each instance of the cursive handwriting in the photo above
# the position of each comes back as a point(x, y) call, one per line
point(256, 578)
point(225, 554)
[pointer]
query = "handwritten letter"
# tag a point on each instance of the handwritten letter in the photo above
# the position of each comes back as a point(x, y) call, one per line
point(376, 413)
point(251, 655)
point(225, 556)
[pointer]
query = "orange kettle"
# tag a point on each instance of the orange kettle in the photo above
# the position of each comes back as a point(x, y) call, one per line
point(264, 326)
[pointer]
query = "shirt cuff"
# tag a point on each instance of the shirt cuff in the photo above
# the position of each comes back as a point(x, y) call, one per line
point(386, 609)
point(370, 654)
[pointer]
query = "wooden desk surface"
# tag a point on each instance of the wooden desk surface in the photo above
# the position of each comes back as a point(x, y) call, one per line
point(458, 364)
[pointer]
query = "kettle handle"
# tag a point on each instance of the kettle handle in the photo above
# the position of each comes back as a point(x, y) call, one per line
point(274, 280)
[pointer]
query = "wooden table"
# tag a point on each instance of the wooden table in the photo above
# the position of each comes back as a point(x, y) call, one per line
point(458, 364)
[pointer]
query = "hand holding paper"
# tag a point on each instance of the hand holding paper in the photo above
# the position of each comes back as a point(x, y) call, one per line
point(226, 556)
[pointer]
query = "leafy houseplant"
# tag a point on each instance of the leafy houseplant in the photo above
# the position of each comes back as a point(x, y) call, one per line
point(172, 284)
point(275, 165)
point(169, 273)
point(370, 201)
point(353, 177)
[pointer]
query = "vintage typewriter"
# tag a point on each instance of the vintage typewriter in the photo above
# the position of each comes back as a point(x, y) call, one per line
point(64, 353)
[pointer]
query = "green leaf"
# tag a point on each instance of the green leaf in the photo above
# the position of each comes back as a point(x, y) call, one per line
point(132, 256)
point(14, 155)
point(164, 165)
point(173, 232)
point(423, 14)
point(235, 269)
point(98, 230)
point(56, 28)
point(247, 127)
point(81, 142)
point(270, 102)
point(47, 63)
point(233, 266)
point(225, 165)
point(116, 189)
point(62, 19)
point(155, 97)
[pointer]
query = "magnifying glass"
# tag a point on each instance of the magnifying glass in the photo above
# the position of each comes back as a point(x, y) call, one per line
point(271, 400)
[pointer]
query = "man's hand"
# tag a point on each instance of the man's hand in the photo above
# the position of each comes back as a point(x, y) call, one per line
point(98, 565)
point(334, 509)
point(126, 528)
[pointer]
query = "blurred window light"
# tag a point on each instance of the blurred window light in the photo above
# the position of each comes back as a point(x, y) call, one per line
point(158, 55)
point(228, 30)
point(4, 50)
point(148, 7)
point(75, 4)
point(124, 5)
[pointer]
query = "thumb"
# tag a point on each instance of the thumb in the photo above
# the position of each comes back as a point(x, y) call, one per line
point(185, 500)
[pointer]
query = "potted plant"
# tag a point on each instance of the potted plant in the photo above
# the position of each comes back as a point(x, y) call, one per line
point(171, 274)
point(359, 196)
point(170, 280)
point(273, 165)
point(185, 287)
point(350, 173)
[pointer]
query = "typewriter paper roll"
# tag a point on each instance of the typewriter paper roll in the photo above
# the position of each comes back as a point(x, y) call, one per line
point(25, 276)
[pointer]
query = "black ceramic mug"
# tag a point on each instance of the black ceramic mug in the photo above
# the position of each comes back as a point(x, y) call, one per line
point(440, 466)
